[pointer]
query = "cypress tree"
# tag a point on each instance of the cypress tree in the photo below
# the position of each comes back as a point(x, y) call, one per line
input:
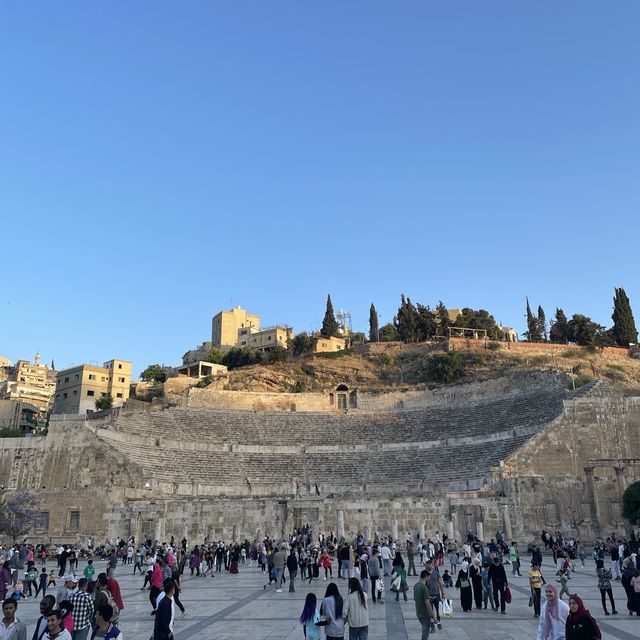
point(443, 319)
point(406, 321)
point(542, 324)
point(532, 325)
point(624, 326)
point(374, 333)
point(559, 328)
point(329, 324)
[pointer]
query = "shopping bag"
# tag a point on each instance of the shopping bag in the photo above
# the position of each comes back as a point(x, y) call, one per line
point(447, 607)
point(507, 595)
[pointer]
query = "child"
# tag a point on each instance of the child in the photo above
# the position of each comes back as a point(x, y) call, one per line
point(487, 590)
point(52, 579)
point(563, 580)
point(42, 583)
point(446, 579)
point(18, 594)
point(380, 588)
point(566, 567)
point(310, 617)
point(89, 570)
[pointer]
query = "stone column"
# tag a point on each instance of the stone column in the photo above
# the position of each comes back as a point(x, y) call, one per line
point(159, 532)
point(593, 494)
point(421, 530)
point(449, 527)
point(340, 525)
point(394, 529)
point(622, 481)
point(367, 533)
point(455, 522)
point(480, 530)
point(508, 532)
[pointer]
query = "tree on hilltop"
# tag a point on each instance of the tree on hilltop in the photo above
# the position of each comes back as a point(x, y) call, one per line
point(442, 318)
point(302, 344)
point(624, 325)
point(427, 322)
point(583, 330)
point(480, 319)
point(542, 324)
point(388, 333)
point(559, 331)
point(215, 356)
point(406, 321)
point(533, 328)
point(329, 324)
point(154, 373)
point(374, 331)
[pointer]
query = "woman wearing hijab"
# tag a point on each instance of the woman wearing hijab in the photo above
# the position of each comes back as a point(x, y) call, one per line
point(476, 581)
point(553, 616)
point(580, 623)
point(464, 584)
point(331, 610)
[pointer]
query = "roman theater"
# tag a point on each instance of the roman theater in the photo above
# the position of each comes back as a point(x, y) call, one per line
point(518, 452)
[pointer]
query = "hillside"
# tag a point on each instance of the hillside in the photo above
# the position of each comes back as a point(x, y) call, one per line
point(385, 365)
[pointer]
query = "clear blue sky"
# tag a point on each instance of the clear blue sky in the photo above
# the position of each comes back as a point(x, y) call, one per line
point(161, 161)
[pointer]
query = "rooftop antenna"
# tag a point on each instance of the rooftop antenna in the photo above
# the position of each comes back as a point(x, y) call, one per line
point(344, 320)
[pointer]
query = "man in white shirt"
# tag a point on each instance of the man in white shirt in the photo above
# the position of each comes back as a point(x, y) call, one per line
point(385, 554)
point(11, 628)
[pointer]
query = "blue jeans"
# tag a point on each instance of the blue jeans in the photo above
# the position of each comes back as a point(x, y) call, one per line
point(425, 623)
point(387, 566)
point(358, 633)
point(345, 568)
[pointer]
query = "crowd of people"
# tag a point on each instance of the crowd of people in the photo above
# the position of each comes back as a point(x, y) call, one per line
point(90, 605)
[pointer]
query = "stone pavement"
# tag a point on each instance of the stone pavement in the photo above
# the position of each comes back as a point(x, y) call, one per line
point(237, 606)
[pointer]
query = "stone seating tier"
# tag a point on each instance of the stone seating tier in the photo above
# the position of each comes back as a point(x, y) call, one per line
point(530, 411)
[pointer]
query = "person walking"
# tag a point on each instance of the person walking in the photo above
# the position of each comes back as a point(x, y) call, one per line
point(331, 610)
point(292, 567)
point(279, 562)
point(604, 584)
point(373, 565)
point(498, 578)
point(356, 612)
point(476, 581)
point(535, 584)
point(464, 584)
point(424, 608)
point(310, 617)
point(580, 623)
point(399, 578)
point(553, 616)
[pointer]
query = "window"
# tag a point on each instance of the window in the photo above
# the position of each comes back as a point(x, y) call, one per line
point(92, 376)
point(42, 521)
point(118, 395)
point(119, 366)
point(74, 520)
point(57, 396)
point(58, 381)
point(90, 393)
point(64, 395)
point(75, 392)
point(102, 379)
point(243, 343)
point(77, 376)
point(120, 379)
point(66, 379)
point(104, 395)
point(269, 338)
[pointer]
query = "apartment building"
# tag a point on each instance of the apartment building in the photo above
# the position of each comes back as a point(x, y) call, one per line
point(78, 388)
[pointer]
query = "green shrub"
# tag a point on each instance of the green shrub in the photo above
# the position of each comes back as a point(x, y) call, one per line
point(204, 382)
point(631, 503)
point(446, 367)
point(494, 346)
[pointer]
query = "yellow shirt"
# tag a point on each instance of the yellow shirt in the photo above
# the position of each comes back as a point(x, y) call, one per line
point(536, 578)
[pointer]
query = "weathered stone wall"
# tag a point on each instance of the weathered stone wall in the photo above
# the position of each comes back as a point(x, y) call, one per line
point(90, 467)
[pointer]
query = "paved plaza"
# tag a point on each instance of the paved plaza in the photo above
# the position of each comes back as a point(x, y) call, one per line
point(230, 607)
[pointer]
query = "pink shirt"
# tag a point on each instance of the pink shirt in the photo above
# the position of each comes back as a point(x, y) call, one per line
point(67, 622)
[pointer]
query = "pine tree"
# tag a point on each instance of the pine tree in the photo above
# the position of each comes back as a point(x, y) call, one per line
point(444, 322)
point(532, 326)
point(329, 324)
point(406, 322)
point(624, 326)
point(542, 324)
point(559, 331)
point(374, 333)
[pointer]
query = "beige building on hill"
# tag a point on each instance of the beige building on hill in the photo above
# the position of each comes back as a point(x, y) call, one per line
point(329, 345)
point(30, 382)
point(264, 339)
point(78, 388)
point(225, 326)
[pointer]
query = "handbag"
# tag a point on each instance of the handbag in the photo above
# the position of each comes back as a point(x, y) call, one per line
point(507, 595)
point(464, 584)
point(395, 585)
point(531, 601)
